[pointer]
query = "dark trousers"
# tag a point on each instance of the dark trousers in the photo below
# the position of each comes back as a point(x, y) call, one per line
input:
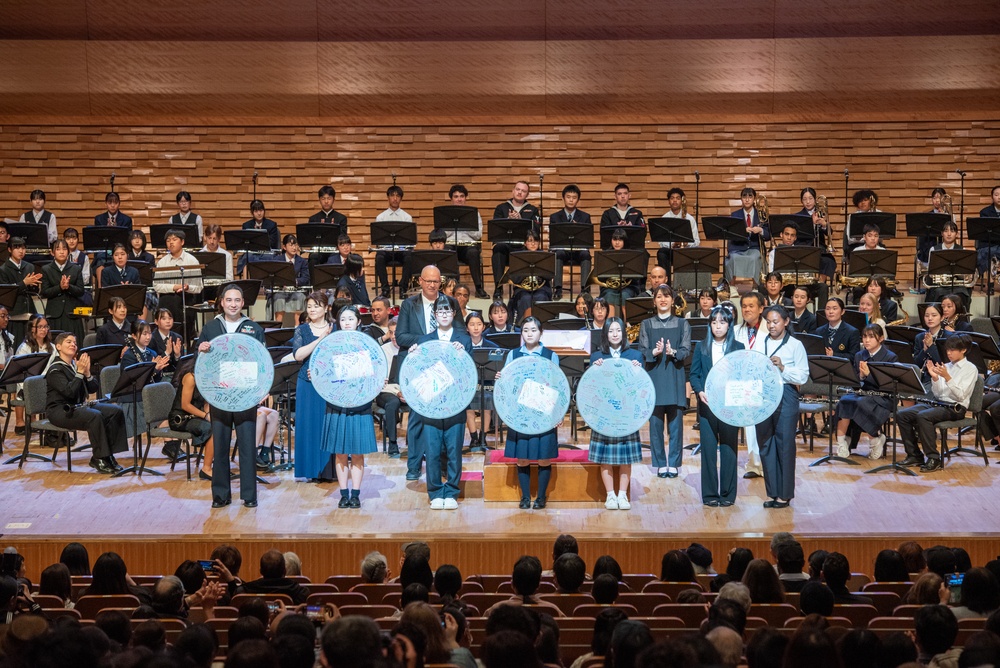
point(443, 438)
point(564, 257)
point(415, 444)
point(776, 436)
point(245, 423)
point(385, 259)
point(989, 417)
point(674, 418)
point(470, 255)
point(104, 424)
point(665, 259)
point(390, 404)
point(718, 457)
point(501, 260)
point(918, 421)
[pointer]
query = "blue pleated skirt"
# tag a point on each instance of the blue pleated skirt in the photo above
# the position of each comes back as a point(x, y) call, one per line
point(349, 431)
point(533, 447)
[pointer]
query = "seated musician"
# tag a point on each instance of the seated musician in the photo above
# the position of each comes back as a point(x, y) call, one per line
point(868, 305)
point(951, 383)
point(344, 248)
point(789, 237)
point(570, 214)
point(744, 259)
point(500, 320)
point(600, 311)
point(676, 200)
point(656, 277)
point(870, 240)
point(185, 216)
point(985, 251)
point(531, 289)
point(390, 398)
point(841, 339)
point(467, 244)
point(924, 346)
point(803, 320)
point(165, 341)
point(865, 201)
point(354, 280)
point(138, 252)
point(213, 235)
point(622, 213)
point(259, 221)
point(117, 329)
point(120, 273)
point(172, 289)
point(77, 255)
point(856, 413)
point(110, 218)
point(953, 311)
point(290, 300)
point(393, 214)
point(68, 382)
point(613, 290)
point(437, 240)
point(516, 207)
point(823, 232)
point(926, 242)
point(708, 299)
point(379, 327)
point(773, 284)
point(949, 241)
point(878, 286)
point(39, 216)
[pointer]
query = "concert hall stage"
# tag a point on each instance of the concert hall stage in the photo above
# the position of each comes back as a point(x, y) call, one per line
point(157, 522)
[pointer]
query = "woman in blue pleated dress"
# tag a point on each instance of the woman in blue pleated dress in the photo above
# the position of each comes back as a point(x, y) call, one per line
point(349, 433)
point(311, 462)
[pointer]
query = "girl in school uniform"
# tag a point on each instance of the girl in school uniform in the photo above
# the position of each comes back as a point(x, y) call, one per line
point(856, 413)
point(718, 439)
point(526, 448)
point(611, 451)
point(349, 433)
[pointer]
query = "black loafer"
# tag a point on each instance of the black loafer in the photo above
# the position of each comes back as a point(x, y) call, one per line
point(912, 461)
point(355, 502)
point(525, 503)
point(712, 504)
point(220, 503)
point(781, 504)
point(101, 465)
point(750, 475)
point(344, 502)
point(770, 503)
point(662, 474)
point(539, 503)
point(933, 464)
point(250, 504)
point(726, 504)
point(672, 474)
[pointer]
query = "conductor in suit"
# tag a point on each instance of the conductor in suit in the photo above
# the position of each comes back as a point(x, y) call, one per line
point(62, 286)
point(841, 340)
point(416, 319)
point(570, 214)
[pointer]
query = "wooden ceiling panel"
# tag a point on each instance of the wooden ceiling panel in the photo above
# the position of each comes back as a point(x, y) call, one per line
point(247, 78)
point(854, 18)
point(44, 77)
point(43, 19)
point(207, 20)
point(454, 78)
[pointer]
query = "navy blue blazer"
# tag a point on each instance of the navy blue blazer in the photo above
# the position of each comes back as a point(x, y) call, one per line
point(113, 276)
point(301, 266)
point(627, 354)
point(920, 356)
point(846, 340)
point(268, 226)
point(701, 364)
point(581, 217)
point(883, 355)
point(754, 239)
point(411, 325)
point(456, 335)
point(806, 323)
point(121, 220)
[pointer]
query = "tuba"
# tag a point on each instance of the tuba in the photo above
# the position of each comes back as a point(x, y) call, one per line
point(763, 216)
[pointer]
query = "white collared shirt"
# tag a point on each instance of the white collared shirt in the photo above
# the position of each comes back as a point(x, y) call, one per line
point(397, 215)
point(963, 381)
point(694, 230)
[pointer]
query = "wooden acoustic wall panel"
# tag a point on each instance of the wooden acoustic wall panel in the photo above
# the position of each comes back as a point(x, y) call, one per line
point(366, 79)
point(42, 76)
point(213, 78)
point(862, 18)
point(43, 19)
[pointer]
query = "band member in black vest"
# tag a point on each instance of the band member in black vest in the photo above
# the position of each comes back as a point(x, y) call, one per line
point(184, 215)
point(40, 216)
point(62, 286)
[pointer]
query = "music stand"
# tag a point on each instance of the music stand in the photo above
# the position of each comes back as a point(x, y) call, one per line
point(523, 264)
point(805, 231)
point(573, 367)
point(796, 259)
point(277, 352)
point(247, 241)
point(131, 379)
point(813, 343)
point(17, 369)
point(104, 237)
point(102, 355)
point(572, 237)
point(620, 264)
point(393, 236)
point(829, 371)
point(973, 354)
point(214, 266)
point(902, 350)
point(642, 308)
point(903, 333)
point(158, 235)
point(35, 235)
point(457, 219)
point(696, 261)
point(251, 288)
point(325, 276)
point(905, 377)
point(275, 273)
point(635, 236)
point(511, 231)
point(488, 362)
point(183, 273)
point(285, 374)
point(318, 237)
point(445, 260)
point(133, 295)
point(549, 311)
point(924, 225)
point(885, 221)
point(725, 229)
point(876, 262)
point(508, 341)
point(278, 337)
point(8, 296)
point(565, 324)
point(145, 270)
point(985, 230)
point(952, 262)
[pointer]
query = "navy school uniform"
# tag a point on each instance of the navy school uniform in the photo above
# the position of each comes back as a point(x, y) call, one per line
point(868, 413)
point(532, 446)
point(845, 341)
point(615, 450)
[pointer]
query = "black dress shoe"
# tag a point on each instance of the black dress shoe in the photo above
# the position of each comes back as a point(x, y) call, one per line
point(725, 503)
point(671, 474)
point(750, 475)
point(344, 502)
point(411, 477)
point(113, 463)
point(220, 503)
point(539, 503)
point(355, 502)
point(101, 465)
point(393, 451)
point(712, 504)
point(780, 504)
point(770, 504)
point(662, 474)
point(481, 294)
point(525, 503)
point(203, 476)
point(933, 464)
point(250, 504)
point(19, 430)
point(912, 461)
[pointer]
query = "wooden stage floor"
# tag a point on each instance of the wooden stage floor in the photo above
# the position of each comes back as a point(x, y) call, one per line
point(44, 506)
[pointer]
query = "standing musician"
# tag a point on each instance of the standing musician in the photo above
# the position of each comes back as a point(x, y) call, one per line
point(842, 340)
point(76, 254)
point(531, 289)
point(259, 221)
point(467, 245)
point(803, 320)
point(924, 346)
point(789, 237)
point(823, 232)
point(393, 214)
point(231, 321)
point(326, 214)
point(678, 203)
point(213, 234)
point(68, 382)
point(62, 286)
point(476, 328)
point(744, 259)
point(751, 334)
point(952, 383)
point(865, 413)
point(311, 462)
point(718, 439)
point(185, 216)
point(985, 251)
point(18, 271)
point(570, 214)
point(622, 213)
point(442, 438)
point(665, 341)
point(949, 241)
point(516, 207)
point(776, 434)
point(611, 451)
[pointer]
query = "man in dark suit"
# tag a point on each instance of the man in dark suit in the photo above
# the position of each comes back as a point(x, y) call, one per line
point(17, 271)
point(841, 340)
point(570, 214)
point(62, 286)
point(416, 318)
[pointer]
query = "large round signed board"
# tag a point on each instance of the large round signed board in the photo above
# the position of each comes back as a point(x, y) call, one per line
point(437, 380)
point(743, 388)
point(616, 398)
point(348, 369)
point(235, 374)
point(532, 395)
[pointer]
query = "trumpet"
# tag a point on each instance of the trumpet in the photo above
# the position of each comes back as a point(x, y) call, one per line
point(901, 397)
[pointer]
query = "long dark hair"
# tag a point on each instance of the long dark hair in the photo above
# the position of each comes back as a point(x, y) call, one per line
point(605, 344)
point(727, 316)
point(109, 575)
point(185, 367)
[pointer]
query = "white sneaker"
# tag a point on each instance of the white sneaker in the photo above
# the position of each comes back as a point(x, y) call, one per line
point(623, 503)
point(450, 504)
point(843, 448)
point(437, 504)
point(877, 448)
point(612, 501)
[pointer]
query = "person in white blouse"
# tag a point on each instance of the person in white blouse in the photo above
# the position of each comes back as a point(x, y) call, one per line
point(776, 434)
point(952, 383)
point(393, 214)
point(170, 285)
point(676, 199)
point(40, 216)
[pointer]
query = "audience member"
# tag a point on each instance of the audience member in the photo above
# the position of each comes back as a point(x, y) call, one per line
point(941, 560)
point(564, 543)
point(413, 593)
point(980, 594)
point(701, 559)
point(676, 567)
point(778, 539)
point(273, 581)
point(604, 627)
point(116, 626)
point(963, 561)
point(111, 577)
point(728, 643)
point(435, 631)
point(252, 653)
point(570, 571)
point(294, 652)
point(605, 589)
point(766, 648)
point(55, 581)
point(927, 590)
point(739, 558)
point(860, 648)
point(791, 561)
point(913, 557)
point(374, 568)
point(293, 564)
point(150, 634)
point(416, 569)
point(935, 630)
point(691, 595)
point(246, 628)
point(727, 612)
point(607, 564)
point(512, 618)
point(509, 649)
point(627, 642)
point(525, 578)
point(890, 567)
point(897, 649)
point(762, 581)
point(76, 559)
point(547, 642)
point(199, 643)
point(816, 599)
point(668, 653)
point(981, 649)
point(811, 648)
point(836, 572)
point(736, 591)
point(448, 583)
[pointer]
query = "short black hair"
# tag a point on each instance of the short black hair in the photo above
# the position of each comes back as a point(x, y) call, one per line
point(791, 559)
point(871, 227)
point(327, 190)
point(936, 628)
point(620, 186)
point(570, 571)
point(527, 575)
point(605, 589)
point(458, 188)
point(675, 191)
point(175, 233)
point(394, 190)
point(257, 205)
point(112, 197)
point(183, 195)
point(437, 236)
point(958, 342)
point(748, 191)
point(836, 570)
point(571, 188)
point(37, 194)
point(817, 598)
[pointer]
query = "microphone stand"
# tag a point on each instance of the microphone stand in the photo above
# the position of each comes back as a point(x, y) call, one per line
point(541, 204)
point(697, 193)
point(112, 181)
point(847, 224)
point(961, 206)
